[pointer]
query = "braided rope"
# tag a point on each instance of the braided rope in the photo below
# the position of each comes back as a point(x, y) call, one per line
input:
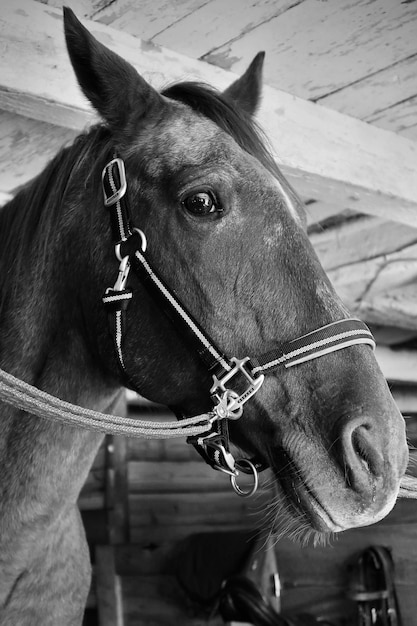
point(31, 399)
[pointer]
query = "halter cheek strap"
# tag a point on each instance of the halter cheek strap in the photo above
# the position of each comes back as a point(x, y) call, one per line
point(130, 249)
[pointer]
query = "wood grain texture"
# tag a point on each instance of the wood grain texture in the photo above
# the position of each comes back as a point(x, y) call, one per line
point(26, 146)
point(398, 305)
point(401, 118)
point(376, 92)
point(217, 509)
point(147, 18)
point(364, 280)
point(360, 239)
point(174, 477)
point(319, 47)
point(109, 598)
point(208, 27)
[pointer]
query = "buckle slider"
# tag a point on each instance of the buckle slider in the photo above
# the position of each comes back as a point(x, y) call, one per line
point(108, 176)
point(228, 403)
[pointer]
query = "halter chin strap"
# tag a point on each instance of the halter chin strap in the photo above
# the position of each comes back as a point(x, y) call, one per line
point(130, 250)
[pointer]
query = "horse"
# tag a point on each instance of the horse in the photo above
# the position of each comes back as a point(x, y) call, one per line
point(227, 234)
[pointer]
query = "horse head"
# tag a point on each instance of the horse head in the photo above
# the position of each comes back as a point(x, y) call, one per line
point(227, 233)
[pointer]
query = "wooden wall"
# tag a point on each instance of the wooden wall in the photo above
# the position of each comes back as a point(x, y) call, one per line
point(157, 493)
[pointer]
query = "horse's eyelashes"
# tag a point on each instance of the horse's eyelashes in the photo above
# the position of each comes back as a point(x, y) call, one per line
point(201, 203)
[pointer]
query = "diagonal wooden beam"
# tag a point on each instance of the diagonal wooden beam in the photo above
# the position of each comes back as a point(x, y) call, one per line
point(359, 239)
point(327, 156)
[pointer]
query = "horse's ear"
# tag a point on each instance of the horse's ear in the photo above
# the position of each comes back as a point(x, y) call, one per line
point(112, 85)
point(246, 90)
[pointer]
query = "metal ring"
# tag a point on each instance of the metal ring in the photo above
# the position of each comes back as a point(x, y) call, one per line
point(235, 486)
point(143, 245)
point(143, 237)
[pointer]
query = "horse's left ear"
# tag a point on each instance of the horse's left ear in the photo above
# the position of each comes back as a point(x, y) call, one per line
point(246, 90)
point(113, 86)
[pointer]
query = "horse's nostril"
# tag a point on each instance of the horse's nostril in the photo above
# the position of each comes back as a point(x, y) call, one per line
point(365, 449)
point(363, 458)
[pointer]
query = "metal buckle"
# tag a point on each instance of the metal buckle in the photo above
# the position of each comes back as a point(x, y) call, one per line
point(213, 440)
point(117, 193)
point(228, 403)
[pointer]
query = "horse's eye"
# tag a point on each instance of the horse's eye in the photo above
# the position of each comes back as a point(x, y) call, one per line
point(201, 203)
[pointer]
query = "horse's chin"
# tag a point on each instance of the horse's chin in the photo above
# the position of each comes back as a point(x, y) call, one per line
point(298, 498)
point(304, 505)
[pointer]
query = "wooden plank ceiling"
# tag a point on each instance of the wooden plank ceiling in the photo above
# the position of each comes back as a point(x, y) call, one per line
point(340, 109)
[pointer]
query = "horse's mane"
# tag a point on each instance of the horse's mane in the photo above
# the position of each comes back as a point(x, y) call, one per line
point(27, 222)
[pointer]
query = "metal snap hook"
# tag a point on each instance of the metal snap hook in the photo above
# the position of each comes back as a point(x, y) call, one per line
point(250, 469)
point(124, 269)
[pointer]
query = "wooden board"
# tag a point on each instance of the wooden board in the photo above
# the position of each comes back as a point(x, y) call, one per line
point(401, 118)
point(379, 91)
point(318, 47)
point(217, 509)
point(366, 279)
point(26, 146)
point(360, 239)
point(398, 306)
point(108, 589)
point(147, 18)
point(175, 476)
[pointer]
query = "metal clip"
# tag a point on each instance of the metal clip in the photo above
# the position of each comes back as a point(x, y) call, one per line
point(223, 460)
point(124, 269)
point(228, 403)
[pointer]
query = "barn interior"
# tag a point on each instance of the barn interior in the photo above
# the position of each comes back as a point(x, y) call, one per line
point(340, 111)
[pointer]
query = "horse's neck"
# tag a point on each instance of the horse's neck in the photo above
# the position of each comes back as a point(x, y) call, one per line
point(43, 464)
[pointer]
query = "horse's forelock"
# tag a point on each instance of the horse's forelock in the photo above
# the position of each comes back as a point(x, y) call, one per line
point(227, 116)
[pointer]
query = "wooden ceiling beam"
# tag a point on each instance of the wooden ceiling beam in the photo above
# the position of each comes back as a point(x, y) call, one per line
point(371, 277)
point(327, 156)
point(397, 307)
point(26, 146)
point(359, 239)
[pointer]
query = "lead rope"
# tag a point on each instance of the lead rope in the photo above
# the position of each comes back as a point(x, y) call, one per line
point(28, 398)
